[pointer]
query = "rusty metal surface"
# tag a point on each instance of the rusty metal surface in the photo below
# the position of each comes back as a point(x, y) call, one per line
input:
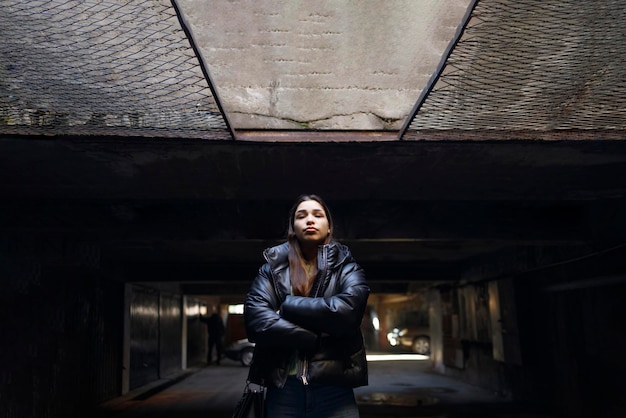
point(144, 336)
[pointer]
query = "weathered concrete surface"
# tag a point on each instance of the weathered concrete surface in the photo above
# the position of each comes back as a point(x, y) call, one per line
point(396, 389)
point(331, 64)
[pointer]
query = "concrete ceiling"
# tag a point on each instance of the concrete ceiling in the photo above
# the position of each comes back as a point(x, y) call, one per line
point(317, 93)
point(331, 64)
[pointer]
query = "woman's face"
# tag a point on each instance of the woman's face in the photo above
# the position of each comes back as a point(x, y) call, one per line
point(310, 223)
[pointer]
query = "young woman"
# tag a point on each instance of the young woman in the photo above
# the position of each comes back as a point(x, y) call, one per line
point(304, 311)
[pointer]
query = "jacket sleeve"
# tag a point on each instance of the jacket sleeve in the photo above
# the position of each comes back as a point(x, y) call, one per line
point(336, 314)
point(263, 323)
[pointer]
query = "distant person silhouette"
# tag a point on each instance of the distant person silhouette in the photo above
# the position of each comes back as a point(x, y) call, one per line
point(215, 327)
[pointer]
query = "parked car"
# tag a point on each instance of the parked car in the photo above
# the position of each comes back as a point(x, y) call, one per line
point(417, 339)
point(241, 350)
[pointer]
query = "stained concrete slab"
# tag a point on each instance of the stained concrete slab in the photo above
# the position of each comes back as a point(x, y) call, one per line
point(331, 64)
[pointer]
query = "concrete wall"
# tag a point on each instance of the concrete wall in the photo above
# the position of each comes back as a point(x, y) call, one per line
point(61, 326)
point(66, 338)
point(566, 354)
point(573, 341)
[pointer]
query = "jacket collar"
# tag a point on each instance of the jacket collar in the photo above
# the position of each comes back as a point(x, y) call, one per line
point(329, 255)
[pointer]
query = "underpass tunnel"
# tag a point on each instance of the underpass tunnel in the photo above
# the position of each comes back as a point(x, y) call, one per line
point(394, 323)
point(94, 320)
point(150, 150)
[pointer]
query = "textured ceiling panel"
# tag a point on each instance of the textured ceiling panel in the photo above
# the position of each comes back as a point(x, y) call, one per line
point(112, 67)
point(516, 69)
point(531, 65)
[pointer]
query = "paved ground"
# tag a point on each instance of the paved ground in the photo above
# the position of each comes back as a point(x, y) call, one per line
point(399, 388)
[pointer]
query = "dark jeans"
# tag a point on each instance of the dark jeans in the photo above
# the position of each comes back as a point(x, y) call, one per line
point(312, 401)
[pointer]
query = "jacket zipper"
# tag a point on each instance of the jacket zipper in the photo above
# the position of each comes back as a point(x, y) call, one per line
point(304, 374)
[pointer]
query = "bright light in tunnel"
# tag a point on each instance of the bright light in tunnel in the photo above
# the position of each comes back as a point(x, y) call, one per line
point(396, 357)
point(235, 309)
point(193, 310)
point(376, 323)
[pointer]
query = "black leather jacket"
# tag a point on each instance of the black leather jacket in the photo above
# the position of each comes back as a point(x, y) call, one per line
point(324, 329)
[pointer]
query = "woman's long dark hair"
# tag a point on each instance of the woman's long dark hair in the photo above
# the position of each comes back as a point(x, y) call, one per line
point(300, 282)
